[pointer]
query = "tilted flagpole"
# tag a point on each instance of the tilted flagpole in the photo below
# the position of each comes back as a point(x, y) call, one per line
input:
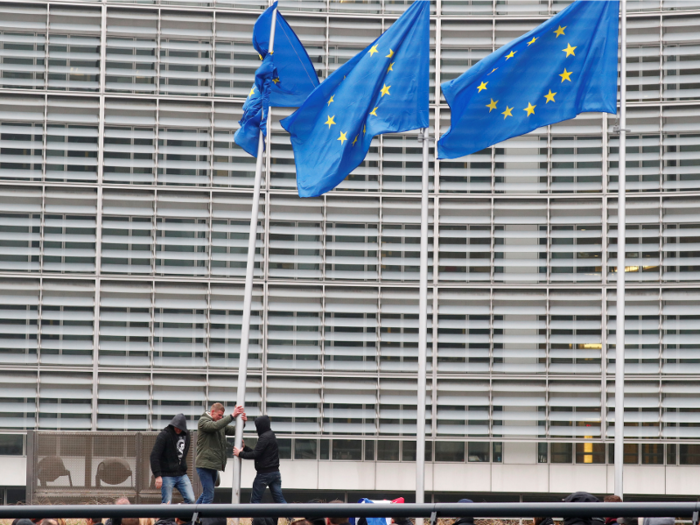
point(620, 311)
point(248, 293)
point(422, 326)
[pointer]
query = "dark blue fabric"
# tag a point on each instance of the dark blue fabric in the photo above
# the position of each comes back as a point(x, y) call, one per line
point(269, 479)
point(284, 79)
point(564, 67)
point(383, 89)
point(207, 477)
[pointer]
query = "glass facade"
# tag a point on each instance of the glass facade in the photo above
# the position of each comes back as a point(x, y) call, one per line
point(124, 210)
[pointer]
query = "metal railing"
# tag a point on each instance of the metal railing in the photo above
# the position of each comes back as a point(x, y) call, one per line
point(408, 510)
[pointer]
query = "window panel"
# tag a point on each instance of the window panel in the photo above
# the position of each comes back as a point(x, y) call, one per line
point(131, 51)
point(180, 325)
point(74, 49)
point(129, 142)
point(22, 46)
point(71, 139)
point(294, 332)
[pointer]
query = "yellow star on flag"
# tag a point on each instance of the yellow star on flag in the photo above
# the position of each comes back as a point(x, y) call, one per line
point(534, 39)
point(565, 75)
point(569, 50)
point(560, 31)
point(507, 112)
point(494, 69)
point(330, 121)
point(330, 101)
point(510, 55)
point(373, 50)
point(391, 66)
point(364, 128)
point(276, 80)
point(342, 138)
point(391, 53)
point(252, 91)
point(482, 86)
point(259, 56)
point(492, 106)
point(530, 109)
point(353, 142)
point(385, 90)
point(374, 111)
point(550, 97)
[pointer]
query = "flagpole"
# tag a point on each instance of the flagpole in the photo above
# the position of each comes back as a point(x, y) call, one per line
point(422, 327)
point(620, 311)
point(248, 292)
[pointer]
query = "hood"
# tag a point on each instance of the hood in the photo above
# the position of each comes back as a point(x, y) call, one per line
point(180, 422)
point(581, 497)
point(262, 424)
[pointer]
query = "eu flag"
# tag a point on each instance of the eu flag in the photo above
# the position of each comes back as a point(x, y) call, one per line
point(383, 89)
point(564, 67)
point(284, 79)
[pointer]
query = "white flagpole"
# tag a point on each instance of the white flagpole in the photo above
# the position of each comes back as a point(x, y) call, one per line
point(422, 327)
point(248, 293)
point(620, 312)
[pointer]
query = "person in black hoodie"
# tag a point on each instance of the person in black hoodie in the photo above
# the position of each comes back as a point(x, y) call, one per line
point(169, 460)
point(267, 462)
point(465, 520)
point(582, 497)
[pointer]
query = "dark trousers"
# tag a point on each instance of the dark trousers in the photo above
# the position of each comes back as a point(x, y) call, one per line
point(269, 479)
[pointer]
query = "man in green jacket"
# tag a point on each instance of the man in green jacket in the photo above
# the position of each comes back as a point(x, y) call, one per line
point(212, 430)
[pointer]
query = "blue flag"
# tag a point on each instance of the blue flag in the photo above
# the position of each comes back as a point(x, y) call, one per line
point(284, 79)
point(564, 67)
point(383, 89)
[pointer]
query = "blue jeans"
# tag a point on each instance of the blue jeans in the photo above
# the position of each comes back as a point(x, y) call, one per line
point(181, 483)
point(207, 476)
point(269, 479)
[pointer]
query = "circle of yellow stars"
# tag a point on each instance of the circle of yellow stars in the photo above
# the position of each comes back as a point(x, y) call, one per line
point(549, 97)
point(385, 91)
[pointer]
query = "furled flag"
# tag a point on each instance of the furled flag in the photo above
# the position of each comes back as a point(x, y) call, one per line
point(383, 89)
point(564, 67)
point(284, 79)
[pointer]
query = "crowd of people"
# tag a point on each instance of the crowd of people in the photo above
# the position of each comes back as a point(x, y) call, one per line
point(316, 518)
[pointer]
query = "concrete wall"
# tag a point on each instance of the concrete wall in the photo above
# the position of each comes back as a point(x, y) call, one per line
point(515, 475)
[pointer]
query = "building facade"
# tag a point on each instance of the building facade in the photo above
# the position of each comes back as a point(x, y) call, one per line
point(124, 210)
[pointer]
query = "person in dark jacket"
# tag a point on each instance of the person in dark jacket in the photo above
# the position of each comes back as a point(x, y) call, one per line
point(267, 462)
point(582, 497)
point(169, 460)
point(212, 429)
point(465, 520)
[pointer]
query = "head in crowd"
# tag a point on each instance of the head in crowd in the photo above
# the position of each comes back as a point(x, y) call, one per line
point(93, 521)
point(182, 520)
point(582, 497)
point(49, 521)
point(543, 521)
point(122, 501)
point(130, 521)
point(217, 411)
point(265, 521)
point(400, 521)
point(22, 521)
point(465, 520)
point(333, 520)
point(315, 520)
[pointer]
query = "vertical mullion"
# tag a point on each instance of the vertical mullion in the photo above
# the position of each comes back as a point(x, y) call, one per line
point(46, 47)
point(604, 365)
point(40, 308)
point(157, 57)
